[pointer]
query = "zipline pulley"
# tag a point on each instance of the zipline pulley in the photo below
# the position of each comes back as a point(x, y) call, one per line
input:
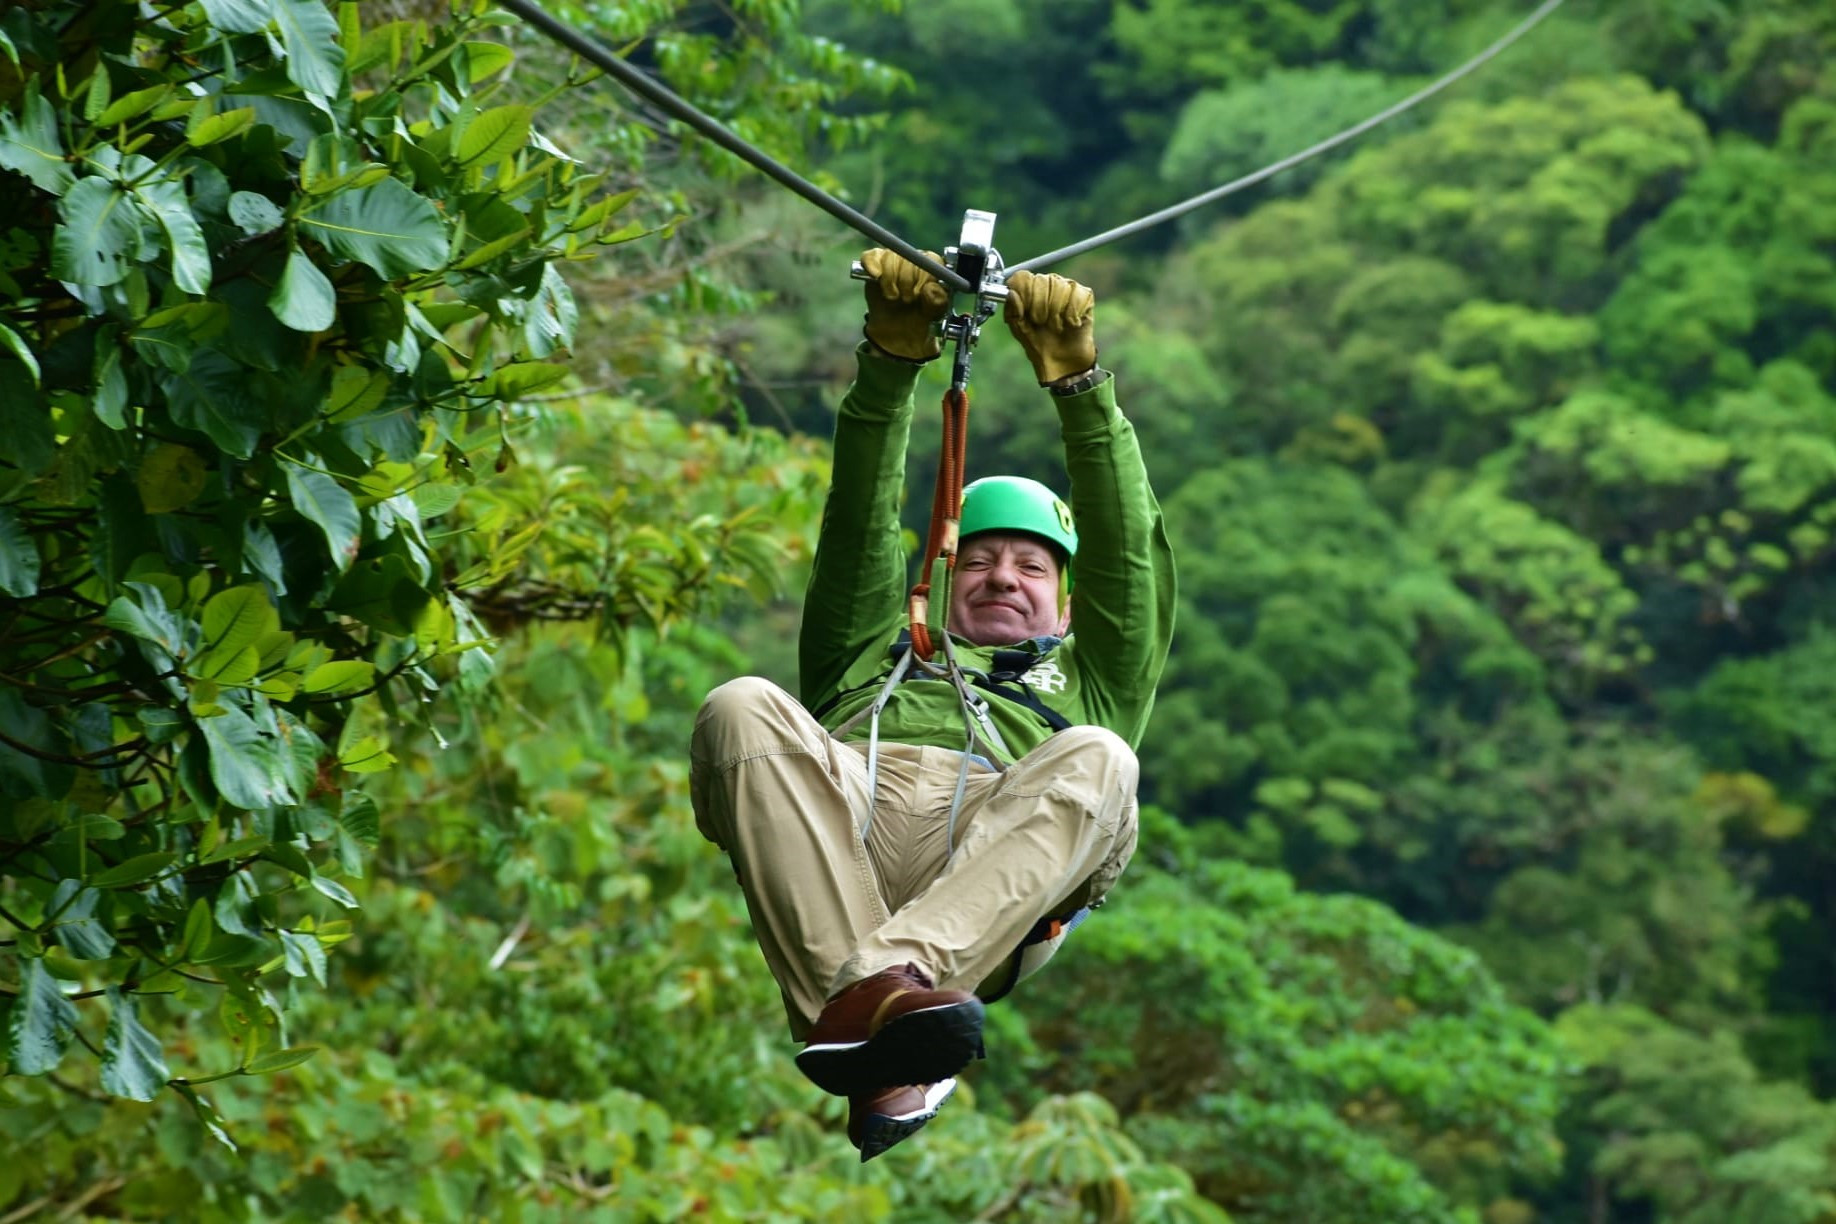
point(975, 259)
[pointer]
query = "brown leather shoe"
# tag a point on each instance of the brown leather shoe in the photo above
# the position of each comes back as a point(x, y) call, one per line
point(893, 1115)
point(891, 1029)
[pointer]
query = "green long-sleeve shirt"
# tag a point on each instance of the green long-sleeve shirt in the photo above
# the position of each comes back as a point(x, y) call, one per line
point(1103, 673)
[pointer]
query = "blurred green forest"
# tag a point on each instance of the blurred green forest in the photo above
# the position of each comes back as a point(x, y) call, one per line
point(356, 598)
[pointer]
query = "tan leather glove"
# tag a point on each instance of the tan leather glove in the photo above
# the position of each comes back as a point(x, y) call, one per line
point(903, 300)
point(1053, 318)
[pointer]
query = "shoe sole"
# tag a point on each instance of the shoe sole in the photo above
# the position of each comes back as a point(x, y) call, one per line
point(886, 1131)
point(919, 1047)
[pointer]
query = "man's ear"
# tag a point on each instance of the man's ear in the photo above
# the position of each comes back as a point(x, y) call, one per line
point(1064, 616)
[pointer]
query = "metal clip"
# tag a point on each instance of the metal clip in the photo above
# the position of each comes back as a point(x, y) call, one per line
point(975, 259)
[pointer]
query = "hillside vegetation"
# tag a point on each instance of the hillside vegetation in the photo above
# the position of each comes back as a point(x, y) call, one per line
point(403, 431)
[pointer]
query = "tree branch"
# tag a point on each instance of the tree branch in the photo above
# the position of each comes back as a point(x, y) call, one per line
point(88, 761)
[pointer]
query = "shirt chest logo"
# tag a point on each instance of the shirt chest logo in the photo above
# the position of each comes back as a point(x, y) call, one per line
point(1045, 677)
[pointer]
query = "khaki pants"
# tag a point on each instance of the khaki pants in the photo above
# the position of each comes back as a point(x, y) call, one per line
point(786, 802)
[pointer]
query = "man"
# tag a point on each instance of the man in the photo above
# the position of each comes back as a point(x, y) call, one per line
point(889, 877)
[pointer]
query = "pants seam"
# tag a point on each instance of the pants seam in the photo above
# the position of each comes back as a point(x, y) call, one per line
point(790, 749)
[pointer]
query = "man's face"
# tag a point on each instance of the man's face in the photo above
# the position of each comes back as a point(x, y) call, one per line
point(1005, 590)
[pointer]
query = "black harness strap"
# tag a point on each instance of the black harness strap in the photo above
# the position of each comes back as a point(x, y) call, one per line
point(1005, 681)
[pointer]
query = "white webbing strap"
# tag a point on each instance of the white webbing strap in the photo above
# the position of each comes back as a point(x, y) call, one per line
point(872, 714)
point(980, 732)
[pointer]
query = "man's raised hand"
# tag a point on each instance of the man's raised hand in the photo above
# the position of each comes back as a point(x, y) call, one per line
point(903, 300)
point(1053, 318)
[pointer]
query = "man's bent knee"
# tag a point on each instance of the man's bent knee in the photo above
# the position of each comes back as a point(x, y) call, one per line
point(1099, 752)
point(741, 698)
point(741, 716)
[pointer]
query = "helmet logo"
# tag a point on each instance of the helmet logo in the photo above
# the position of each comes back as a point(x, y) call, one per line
point(1064, 515)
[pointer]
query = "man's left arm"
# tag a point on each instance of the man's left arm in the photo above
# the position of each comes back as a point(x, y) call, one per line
point(1123, 583)
point(1125, 588)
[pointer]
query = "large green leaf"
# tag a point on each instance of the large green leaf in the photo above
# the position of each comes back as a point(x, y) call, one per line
point(76, 926)
point(239, 16)
point(170, 477)
point(100, 226)
point(280, 1060)
point(226, 666)
point(552, 316)
point(143, 614)
point(15, 344)
point(495, 134)
point(326, 502)
point(133, 1065)
point(110, 401)
point(299, 752)
point(361, 819)
point(304, 955)
point(212, 395)
point(207, 1114)
point(236, 618)
point(235, 907)
point(166, 200)
point(355, 392)
point(383, 593)
point(261, 554)
point(255, 213)
point(133, 105)
point(385, 225)
point(38, 1028)
point(309, 33)
point(30, 145)
point(304, 299)
point(526, 378)
point(339, 676)
point(242, 762)
point(135, 871)
point(336, 891)
point(213, 129)
point(19, 562)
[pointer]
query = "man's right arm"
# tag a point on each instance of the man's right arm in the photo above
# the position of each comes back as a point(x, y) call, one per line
point(856, 595)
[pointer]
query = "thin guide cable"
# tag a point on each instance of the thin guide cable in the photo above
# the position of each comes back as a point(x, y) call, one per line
point(1287, 163)
point(660, 95)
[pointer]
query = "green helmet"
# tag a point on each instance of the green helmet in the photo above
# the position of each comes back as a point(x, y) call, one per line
point(1014, 503)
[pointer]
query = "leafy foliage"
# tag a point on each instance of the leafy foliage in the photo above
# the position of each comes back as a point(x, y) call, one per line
point(270, 315)
point(1497, 453)
point(1304, 1057)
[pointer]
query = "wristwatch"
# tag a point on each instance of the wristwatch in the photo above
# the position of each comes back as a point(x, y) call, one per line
point(1081, 383)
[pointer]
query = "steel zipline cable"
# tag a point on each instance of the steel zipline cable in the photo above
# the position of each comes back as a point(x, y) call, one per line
point(648, 88)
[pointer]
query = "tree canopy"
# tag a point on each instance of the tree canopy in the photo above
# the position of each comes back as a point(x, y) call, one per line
point(403, 430)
